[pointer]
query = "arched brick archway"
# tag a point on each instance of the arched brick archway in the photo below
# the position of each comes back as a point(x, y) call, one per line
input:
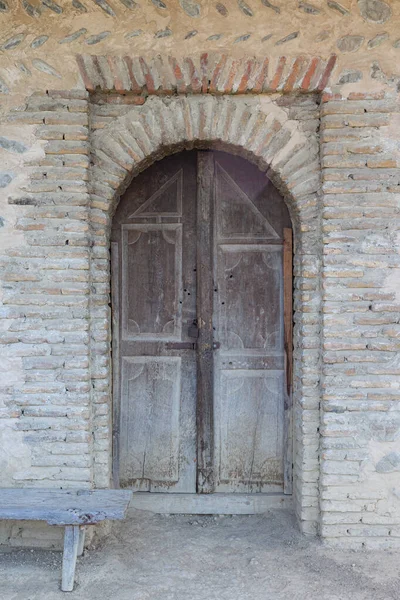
point(259, 130)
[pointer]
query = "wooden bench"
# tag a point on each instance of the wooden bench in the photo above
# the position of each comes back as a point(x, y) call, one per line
point(71, 509)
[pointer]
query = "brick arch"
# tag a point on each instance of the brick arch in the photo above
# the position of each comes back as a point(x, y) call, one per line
point(259, 130)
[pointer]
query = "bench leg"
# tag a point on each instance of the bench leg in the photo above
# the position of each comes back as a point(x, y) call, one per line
point(81, 544)
point(71, 543)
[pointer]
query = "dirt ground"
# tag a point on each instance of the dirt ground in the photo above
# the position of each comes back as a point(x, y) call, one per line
point(156, 557)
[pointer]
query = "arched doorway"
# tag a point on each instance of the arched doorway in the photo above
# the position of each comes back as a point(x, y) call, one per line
point(201, 282)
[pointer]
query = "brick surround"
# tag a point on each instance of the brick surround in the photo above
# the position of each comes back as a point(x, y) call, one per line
point(265, 135)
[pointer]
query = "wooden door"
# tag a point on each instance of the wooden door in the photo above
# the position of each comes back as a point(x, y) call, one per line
point(249, 360)
point(198, 329)
point(154, 276)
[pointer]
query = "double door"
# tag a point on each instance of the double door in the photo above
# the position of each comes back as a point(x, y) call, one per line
point(201, 352)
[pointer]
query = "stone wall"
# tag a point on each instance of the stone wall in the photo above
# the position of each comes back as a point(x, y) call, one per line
point(40, 38)
point(93, 92)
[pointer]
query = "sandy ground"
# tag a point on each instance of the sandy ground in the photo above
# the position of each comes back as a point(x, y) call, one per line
point(155, 557)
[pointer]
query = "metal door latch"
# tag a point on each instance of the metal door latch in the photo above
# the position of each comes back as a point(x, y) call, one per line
point(180, 345)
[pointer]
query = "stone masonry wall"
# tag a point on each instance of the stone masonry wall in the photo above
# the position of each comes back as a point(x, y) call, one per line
point(39, 39)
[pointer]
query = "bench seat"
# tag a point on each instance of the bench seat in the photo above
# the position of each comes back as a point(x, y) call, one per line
point(71, 509)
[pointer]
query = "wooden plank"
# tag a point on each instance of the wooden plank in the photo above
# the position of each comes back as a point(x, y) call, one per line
point(288, 345)
point(64, 507)
point(115, 316)
point(71, 543)
point(205, 286)
point(210, 504)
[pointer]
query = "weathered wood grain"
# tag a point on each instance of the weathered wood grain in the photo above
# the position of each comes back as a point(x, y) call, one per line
point(63, 507)
point(71, 544)
point(205, 360)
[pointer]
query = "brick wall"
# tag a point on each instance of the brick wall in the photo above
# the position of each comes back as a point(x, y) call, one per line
point(46, 298)
point(360, 445)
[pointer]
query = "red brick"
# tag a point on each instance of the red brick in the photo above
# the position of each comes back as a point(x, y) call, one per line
point(246, 76)
point(278, 73)
point(291, 80)
point(262, 78)
point(327, 73)
point(166, 85)
point(276, 126)
point(180, 81)
point(134, 84)
point(328, 97)
point(382, 163)
point(195, 82)
point(217, 72)
point(305, 84)
point(99, 70)
point(86, 79)
point(231, 77)
point(204, 78)
point(118, 84)
point(366, 96)
point(147, 76)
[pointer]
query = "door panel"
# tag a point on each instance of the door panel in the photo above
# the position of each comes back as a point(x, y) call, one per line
point(250, 297)
point(151, 281)
point(151, 406)
point(248, 408)
point(237, 216)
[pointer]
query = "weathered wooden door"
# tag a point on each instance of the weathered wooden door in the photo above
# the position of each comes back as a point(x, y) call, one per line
point(201, 388)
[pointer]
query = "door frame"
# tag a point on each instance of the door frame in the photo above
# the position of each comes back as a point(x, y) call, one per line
point(288, 348)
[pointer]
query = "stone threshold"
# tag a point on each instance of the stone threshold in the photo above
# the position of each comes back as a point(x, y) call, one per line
point(209, 504)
